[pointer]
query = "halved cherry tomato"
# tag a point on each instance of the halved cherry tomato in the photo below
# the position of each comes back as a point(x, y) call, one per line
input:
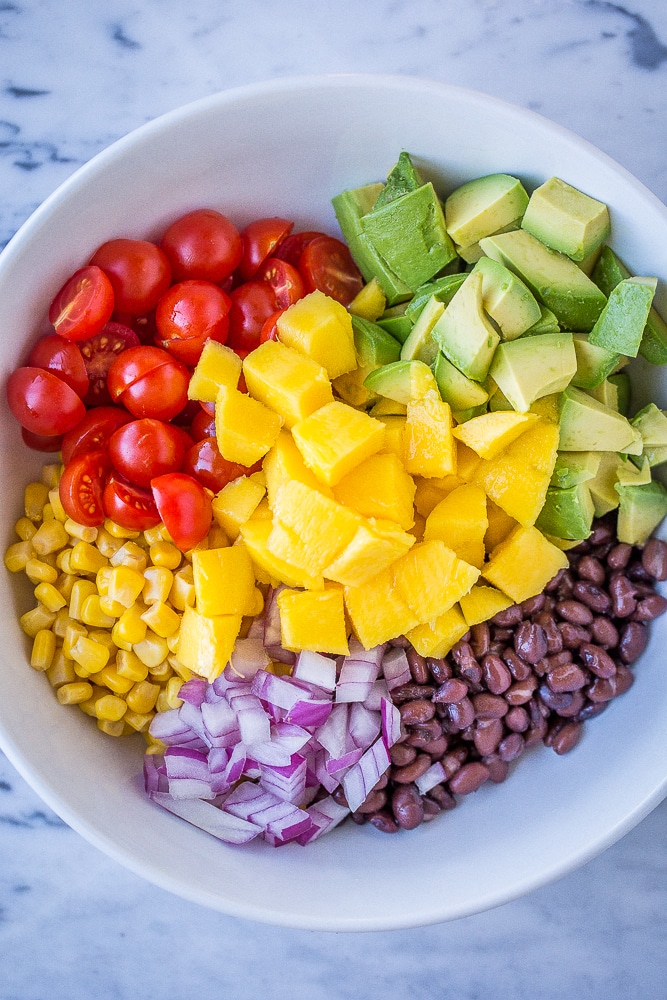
point(202, 244)
point(143, 449)
point(82, 485)
point(252, 304)
point(205, 463)
point(284, 279)
point(185, 508)
point(190, 313)
point(144, 326)
point(42, 402)
point(269, 329)
point(149, 382)
point(83, 305)
point(128, 505)
point(92, 433)
point(139, 272)
point(326, 264)
point(291, 248)
point(62, 357)
point(41, 442)
point(202, 426)
point(99, 353)
point(260, 239)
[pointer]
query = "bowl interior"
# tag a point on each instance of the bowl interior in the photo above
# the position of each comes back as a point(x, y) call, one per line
point(284, 149)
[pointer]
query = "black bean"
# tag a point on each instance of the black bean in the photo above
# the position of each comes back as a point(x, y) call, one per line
point(632, 644)
point(530, 642)
point(407, 807)
point(654, 558)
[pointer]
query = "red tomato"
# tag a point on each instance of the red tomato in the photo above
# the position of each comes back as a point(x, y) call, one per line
point(203, 425)
point(284, 279)
point(205, 463)
point(42, 402)
point(143, 326)
point(92, 433)
point(149, 382)
point(81, 487)
point(260, 239)
point(269, 329)
point(143, 449)
point(139, 272)
point(188, 315)
point(83, 305)
point(202, 244)
point(326, 264)
point(41, 442)
point(293, 246)
point(252, 304)
point(185, 508)
point(99, 353)
point(128, 505)
point(62, 357)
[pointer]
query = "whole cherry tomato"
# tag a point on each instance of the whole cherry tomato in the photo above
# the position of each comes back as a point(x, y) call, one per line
point(62, 357)
point(285, 280)
point(93, 431)
point(205, 463)
point(202, 426)
point(149, 382)
point(190, 313)
point(202, 244)
point(252, 304)
point(326, 264)
point(81, 487)
point(99, 353)
point(184, 507)
point(83, 305)
point(139, 273)
point(143, 449)
point(260, 239)
point(128, 505)
point(42, 402)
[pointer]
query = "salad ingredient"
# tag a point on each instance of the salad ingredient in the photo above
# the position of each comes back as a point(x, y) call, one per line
point(139, 272)
point(291, 247)
point(620, 325)
point(63, 358)
point(184, 507)
point(189, 314)
point(529, 369)
point(98, 353)
point(128, 505)
point(202, 244)
point(320, 328)
point(83, 305)
point(284, 279)
point(252, 305)
point(149, 382)
point(566, 219)
point(143, 449)
point(82, 485)
point(261, 238)
point(93, 431)
point(328, 266)
point(289, 382)
point(483, 206)
point(42, 402)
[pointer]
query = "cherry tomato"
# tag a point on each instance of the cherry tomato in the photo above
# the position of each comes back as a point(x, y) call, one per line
point(83, 305)
point(292, 246)
point(128, 505)
point(185, 508)
point(202, 244)
point(82, 485)
point(149, 382)
point(41, 442)
point(143, 449)
point(42, 402)
point(99, 353)
point(202, 426)
point(205, 463)
point(252, 304)
point(139, 273)
point(62, 357)
point(144, 326)
point(260, 239)
point(326, 264)
point(92, 433)
point(284, 279)
point(269, 329)
point(188, 315)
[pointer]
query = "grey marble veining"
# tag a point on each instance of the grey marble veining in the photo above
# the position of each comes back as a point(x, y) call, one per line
point(75, 76)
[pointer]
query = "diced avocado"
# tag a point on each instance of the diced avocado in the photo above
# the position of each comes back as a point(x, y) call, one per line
point(402, 381)
point(655, 456)
point(603, 486)
point(456, 388)
point(547, 323)
point(566, 219)
point(614, 392)
point(621, 323)
point(369, 302)
point(461, 416)
point(607, 273)
point(497, 398)
point(651, 422)
point(402, 179)
point(374, 347)
point(420, 343)
point(443, 289)
point(506, 299)
point(587, 425)
point(386, 407)
point(473, 253)
point(464, 334)
point(567, 513)
point(640, 511)
point(547, 407)
point(553, 278)
point(574, 467)
point(410, 237)
point(527, 369)
point(629, 474)
point(587, 265)
point(484, 206)
point(594, 363)
point(398, 327)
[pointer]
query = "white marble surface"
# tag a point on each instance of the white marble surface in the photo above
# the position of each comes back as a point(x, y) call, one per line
point(76, 75)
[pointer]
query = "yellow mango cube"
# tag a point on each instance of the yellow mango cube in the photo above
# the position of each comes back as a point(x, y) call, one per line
point(436, 638)
point(224, 581)
point(431, 579)
point(245, 429)
point(393, 438)
point(313, 620)
point(292, 385)
point(284, 463)
point(429, 492)
point(377, 610)
point(205, 644)
point(491, 433)
point(370, 302)
point(322, 526)
point(235, 503)
point(255, 534)
point(429, 447)
point(523, 564)
point(218, 365)
point(336, 438)
point(482, 603)
point(460, 521)
point(320, 328)
point(500, 525)
point(467, 462)
point(369, 552)
point(379, 487)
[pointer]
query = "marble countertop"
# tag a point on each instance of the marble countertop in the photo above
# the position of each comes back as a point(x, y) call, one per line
point(75, 76)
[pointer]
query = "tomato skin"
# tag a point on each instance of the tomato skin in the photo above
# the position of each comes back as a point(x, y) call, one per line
point(92, 433)
point(128, 505)
point(82, 306)
point(40, 442)
point(291, 248)
point(269, 329)
point(260, 238)
point(62, 357)
point(205, 464)
point(81, 488)
point(252, 304)
point(185, 508)
point(202, 244)
point(42, 402)
point(139, 272)
point(326, 264)
point(149, 382)
point(99, 353)
point(190, 313)
point(143, 449)
point(202, 426)
point(284, 279)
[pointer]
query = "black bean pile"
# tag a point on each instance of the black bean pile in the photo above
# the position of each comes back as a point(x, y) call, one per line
point(533, 674)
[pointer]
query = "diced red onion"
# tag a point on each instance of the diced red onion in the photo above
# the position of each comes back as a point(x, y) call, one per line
point(220, 724)
point(193, 691)
point(356, 679)
point(337, 764)
point(319, 764)
point(288, 783)
point(325, 815)
point(314, 668)
point(208, 817)
point(362, 777)
point(170, 728)
point(334, 735)
point(396, 668)
point(391, 722)
point(155, 779)
point(429, 779)
point(364, 725)
point(254, 723)
point(377, 693)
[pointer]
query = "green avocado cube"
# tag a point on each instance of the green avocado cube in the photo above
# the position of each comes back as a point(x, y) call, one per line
point(547, 323)
point(594, 364)
point(420, 343)
point(566, 219)
point(463, 332)
point(587, 425)
point(402, 381)
point(567, 513)
point(461, 392)
point(526, 370)
point(651, 422)
point(620, 325)
point(608, 272)
point(603, 486)
point(483, 206)
point(614, 392)
point(442, 288)
point(509, 303)
point(574, 467)
point(402, 179)
point(640, 511)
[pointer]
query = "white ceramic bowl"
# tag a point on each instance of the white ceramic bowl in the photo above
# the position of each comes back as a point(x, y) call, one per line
point(285, 148)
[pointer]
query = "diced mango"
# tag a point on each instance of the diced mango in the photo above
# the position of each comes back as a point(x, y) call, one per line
point(205, 644)
point(467, 462)
point(429, 447)
point(245, 429)
point(292, 385)
point(313, 620)
point(429, 492)
point(379, 487)
point(370, 302)
point(524, 563)
point(256, 533)
point(436, 638)
point(460, 521)
point(218, 365)
point(284, 463)
point(431, 578)
point(323, 526)
point(336, 438)
point(491, 433)
point(393, 438)
point(224, 581)
point(482, 603)
point(320, 328)
point(235, 503)
point(377, 610)
point(500, 525)
point(369, 552)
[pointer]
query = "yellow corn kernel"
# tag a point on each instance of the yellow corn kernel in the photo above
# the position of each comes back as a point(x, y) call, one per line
point(168, 696)
point(157, 584)
point(179, 668)
point(61, 622)
point(152, 650)
point(51, 473)
point(102, 580)
point(18, 555)
point(130, 628)
point(161, 673)
point(165, 554)
point(106, 543)
point(74, 693)
point(25, 528)
point(110, 727)
point(139, 721)
point(43, 649)
point(51, 598)
point(129, 666)
point(58, 510)
point(38, 571)
point(182, 593)
point(124, 584)
point(85, 558)
point(162, 619)
point(47, 513)
point(152, 745)
point(104, 637)
point(35, 498)
point(88, 706)
point(143, 696)
point(81, 591)
point(109, 677)
point(49, 537)
point(130, 555)
point(172, 642)
point(110, 707)
point(157, 534)
point(118, 532)
point(93, 615)
point(90, 655)
point(64, 563)
point(111, 608)
point(64, 583)
point(83, 532)
point(36, 619)
point(72, 633)
point(61, 670)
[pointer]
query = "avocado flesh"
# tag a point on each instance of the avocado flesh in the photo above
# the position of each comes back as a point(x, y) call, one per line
point(567, 513)
point(511, 305)
point(456, 388)
point(547, 323)
point(402, 381)
point(420, 344)
point(594, 364)
point(566, 219)
point(575, 467)
point(398, 327)
point(464, 334)
point(603, 486)
point(621, 323)
point(443, 289)
point(484, 206)
point(374, 348)
point(629, 474)
point(614, 392)
point(525, 370)
point(651, 423)
point(474, 252)
point(607, 273)
point(401, 179)
point(587, 425)
point(640, 511)
point(553, 278)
